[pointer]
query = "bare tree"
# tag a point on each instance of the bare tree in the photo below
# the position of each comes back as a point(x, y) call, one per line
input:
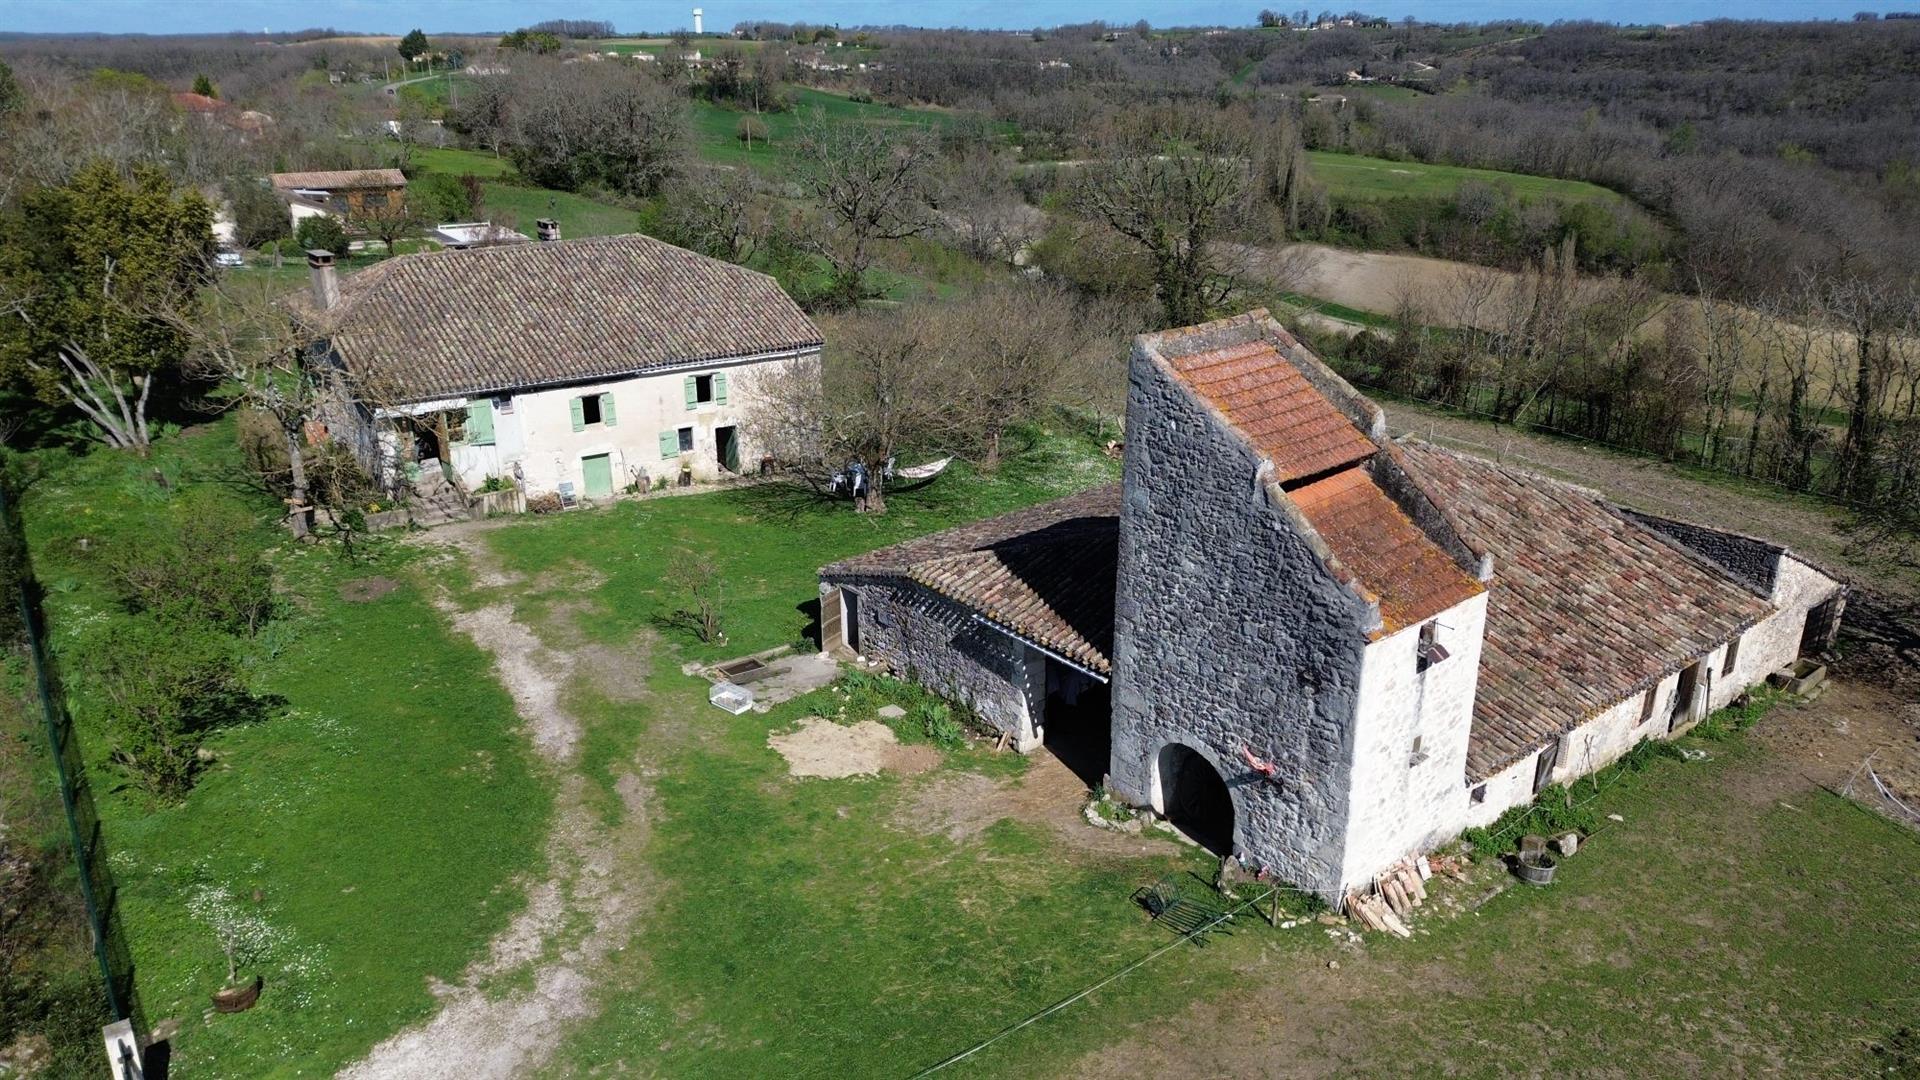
point(872, 183)
point(1173, 181)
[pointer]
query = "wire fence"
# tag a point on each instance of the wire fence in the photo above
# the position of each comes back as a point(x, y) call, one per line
point(95, 881)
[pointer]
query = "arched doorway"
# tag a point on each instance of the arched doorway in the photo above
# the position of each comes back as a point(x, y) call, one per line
point(1195, 799)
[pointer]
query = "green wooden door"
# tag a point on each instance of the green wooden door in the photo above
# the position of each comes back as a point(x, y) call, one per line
point(597, 471)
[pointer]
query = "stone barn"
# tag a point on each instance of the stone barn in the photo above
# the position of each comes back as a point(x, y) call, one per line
point(1314, 647)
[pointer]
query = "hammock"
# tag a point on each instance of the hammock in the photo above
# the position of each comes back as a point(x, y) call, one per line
point(923, 472)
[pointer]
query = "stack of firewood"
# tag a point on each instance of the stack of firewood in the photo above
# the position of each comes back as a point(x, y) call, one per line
point(1396, 892)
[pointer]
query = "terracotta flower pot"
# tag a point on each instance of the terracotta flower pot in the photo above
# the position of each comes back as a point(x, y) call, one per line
point(233, 999)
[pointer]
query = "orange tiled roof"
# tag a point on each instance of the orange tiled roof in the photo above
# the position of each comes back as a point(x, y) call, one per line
point(1588, 608)
point(1376, 542)
point(1265, 395)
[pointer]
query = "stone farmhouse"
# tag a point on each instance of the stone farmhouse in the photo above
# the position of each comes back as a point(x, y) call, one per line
point(1314, 647)
point(573, 367)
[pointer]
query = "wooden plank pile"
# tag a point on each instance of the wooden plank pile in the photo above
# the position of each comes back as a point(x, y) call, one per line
point(1396, 892)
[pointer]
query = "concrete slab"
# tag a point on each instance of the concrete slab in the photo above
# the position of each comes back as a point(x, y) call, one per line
point(793, 676)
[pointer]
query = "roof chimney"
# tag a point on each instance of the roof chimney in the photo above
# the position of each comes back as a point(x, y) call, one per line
point(547, 228)
point(326, 281)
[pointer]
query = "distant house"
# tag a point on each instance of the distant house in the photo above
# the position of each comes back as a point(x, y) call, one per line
point(571, 366)
point(211, 110)
point(343, 194)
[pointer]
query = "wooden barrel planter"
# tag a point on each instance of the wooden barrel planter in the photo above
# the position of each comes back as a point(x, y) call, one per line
point(233, 999)
point(1535, 867)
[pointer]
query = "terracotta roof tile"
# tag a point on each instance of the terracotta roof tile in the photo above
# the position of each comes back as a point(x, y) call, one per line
point(451, 323)
point(1587, 607)
point(1265, 395)
point(1378, 543)
point(1046, 573)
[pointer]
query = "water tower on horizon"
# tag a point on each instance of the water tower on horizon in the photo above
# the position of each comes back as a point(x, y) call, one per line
point(696, 20)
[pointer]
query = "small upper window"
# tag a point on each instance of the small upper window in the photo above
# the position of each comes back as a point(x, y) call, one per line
point(703, 388)
point(1419, 752)
point(1429, 652)
point(590, 409)
point(686, 440)
point(1480, 794)
point(1733, 657)
point(1646, 704)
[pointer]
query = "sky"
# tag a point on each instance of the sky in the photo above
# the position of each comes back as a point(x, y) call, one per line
point(399, 16)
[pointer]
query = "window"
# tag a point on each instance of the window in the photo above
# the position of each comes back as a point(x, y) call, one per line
point(592, 410)
point(1429, 652)
point(706, 389)
point(1419, 753)
point(1646, 704)
point(1733, 657)
point(503, 404)
point(374, 200)
point(1479, 794)
point(686, 440)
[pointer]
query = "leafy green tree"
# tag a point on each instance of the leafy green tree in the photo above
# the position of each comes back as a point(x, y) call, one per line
point(84, 270)
point(11, 96)
point(259, 217)
point(204, 87)
point(322, 232)
point(440, 197)
point(158, 690)
point(414, 44)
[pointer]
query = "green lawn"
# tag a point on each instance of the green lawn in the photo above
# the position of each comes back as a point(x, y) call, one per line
point(380, 812)
point(1353, 176)
point(521, 205)
point(715, 128)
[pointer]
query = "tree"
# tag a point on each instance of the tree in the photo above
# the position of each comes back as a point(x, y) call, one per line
point(1272, 19)
point(204, 87)
point(322, 232)
point(158, 690)
point(766, 71)
point(75, 281)
point(717, 212)
point(414, 44)
point(750, 128)
point(576, 124)
point(702, 594)
point(259, 217)
point(440, 197)
point(247, 344)
point(11, 96)
point(879, 389)
point(1173, 182)
point(872, 183)
point(396, 219)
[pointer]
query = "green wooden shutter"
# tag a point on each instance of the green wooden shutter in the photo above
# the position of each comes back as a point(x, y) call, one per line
point(669, 443)
point(606, 409)
point(579, 414)
point(480, 422)
point(693, 394)
point(719, 388)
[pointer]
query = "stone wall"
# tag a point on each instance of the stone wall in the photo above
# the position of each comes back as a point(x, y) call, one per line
point(1230, 634)
point(1406, 801)
point(1754, 563)
point(938, 644)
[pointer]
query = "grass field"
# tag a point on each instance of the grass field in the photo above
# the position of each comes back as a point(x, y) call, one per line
point(1352, 176)
point(380, 812)
point(715, 129)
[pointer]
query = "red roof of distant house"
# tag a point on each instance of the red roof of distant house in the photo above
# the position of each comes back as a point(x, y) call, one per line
point(1410, 577)
point(200, 103)
point(1264, 395)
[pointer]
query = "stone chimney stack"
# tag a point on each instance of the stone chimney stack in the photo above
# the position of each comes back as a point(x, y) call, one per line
point(326, 280)
point(547, 229)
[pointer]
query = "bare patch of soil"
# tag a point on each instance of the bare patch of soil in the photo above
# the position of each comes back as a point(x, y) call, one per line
point(367, 589)
point(819, 747)
point(958, 805)
point(961, 806)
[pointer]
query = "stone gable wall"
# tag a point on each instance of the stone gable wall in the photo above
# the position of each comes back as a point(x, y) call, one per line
point(937, 643)
point(1230, 634)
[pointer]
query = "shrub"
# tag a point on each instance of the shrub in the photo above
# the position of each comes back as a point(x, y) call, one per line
point(750, 129)
point(442, 198)
point(938, 724)
point(202, 569)
point(322, 233)
point(1552, 812)
point(159, 689)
